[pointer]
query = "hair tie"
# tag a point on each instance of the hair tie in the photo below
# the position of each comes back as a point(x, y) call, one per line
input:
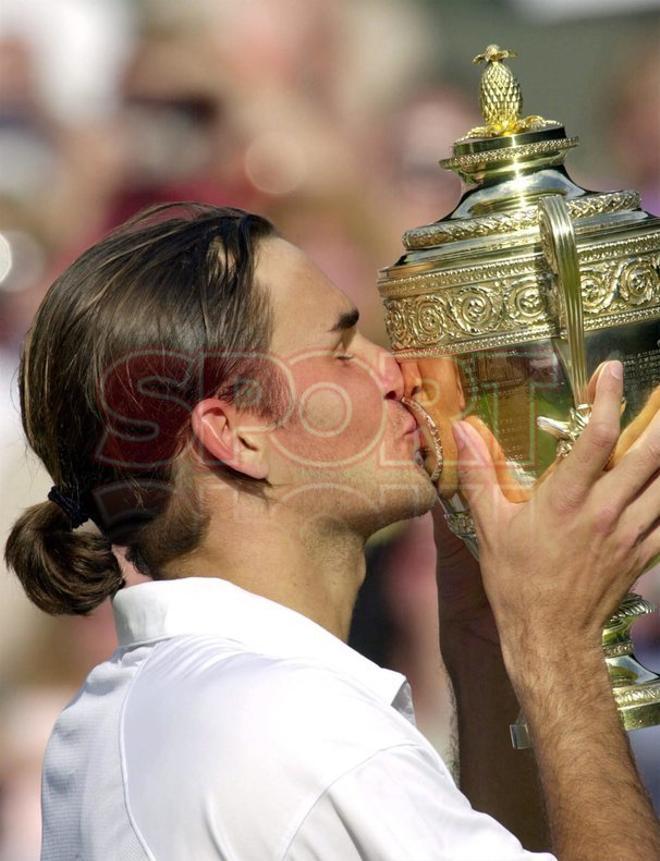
point(70, 506)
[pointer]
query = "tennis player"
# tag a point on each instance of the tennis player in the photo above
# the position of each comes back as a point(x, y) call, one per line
point(202, 395)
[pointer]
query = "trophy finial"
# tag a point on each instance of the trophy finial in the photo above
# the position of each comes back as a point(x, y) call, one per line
point(494, 53)
point(500, 98)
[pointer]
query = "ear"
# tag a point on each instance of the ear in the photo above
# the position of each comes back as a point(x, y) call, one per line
point(217, 428)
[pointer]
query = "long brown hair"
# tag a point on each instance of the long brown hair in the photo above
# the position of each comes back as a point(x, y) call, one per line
point(160, 314)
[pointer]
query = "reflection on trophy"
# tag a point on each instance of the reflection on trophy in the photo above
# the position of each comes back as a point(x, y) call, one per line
point(505, 308)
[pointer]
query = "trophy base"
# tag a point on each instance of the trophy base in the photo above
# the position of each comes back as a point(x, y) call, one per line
point(636, 690)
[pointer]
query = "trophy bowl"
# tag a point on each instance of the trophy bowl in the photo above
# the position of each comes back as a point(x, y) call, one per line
point(505, 308)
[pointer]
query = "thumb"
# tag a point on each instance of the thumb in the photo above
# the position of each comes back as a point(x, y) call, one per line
point(478, 476)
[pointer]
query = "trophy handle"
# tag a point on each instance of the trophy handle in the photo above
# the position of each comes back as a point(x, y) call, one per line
point(560, 251)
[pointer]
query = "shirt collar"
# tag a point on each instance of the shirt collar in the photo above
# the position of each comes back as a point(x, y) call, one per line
point(209, 605)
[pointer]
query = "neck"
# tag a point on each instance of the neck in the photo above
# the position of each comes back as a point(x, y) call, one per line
point(315, 569)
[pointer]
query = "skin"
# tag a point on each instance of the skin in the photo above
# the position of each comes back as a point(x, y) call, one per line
point(496, 778)
point(302, 545)
point(608, 523)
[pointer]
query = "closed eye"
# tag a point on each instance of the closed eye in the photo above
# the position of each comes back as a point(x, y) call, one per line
point(345, 358)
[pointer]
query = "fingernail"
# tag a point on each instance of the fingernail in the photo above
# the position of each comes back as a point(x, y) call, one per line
point(459, 435)
point(616, 369)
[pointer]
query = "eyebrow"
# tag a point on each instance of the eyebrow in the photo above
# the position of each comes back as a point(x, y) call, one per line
point(346, 320)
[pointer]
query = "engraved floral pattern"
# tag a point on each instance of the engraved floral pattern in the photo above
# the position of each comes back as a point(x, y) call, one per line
point(440, 316)
point(428, 319)
point(598, 289)
point(639, 281)
point(476, 309)
point(397, 327)
point(524, 301)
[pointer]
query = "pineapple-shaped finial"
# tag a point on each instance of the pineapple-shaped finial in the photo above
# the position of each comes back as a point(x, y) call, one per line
point(500, 98)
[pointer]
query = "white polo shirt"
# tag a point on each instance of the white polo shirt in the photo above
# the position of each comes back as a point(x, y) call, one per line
point(227, 726)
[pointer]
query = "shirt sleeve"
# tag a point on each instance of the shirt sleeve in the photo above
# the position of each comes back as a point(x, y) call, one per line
point(399, 806)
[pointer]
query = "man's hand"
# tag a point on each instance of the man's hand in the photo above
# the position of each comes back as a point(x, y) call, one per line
point(461, 593)
point(563, 560)
point(436, 385)
point(554, 569)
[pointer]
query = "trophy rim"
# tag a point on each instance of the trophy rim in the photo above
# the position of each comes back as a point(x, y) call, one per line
point(468, 146)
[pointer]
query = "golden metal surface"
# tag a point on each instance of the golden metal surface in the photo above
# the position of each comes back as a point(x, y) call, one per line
point(471, 308)
point(566, 432)
point(510, 302)
point(560, 251)
point(636, 690)
point(461, 524)
point(432, 435)
point(480, 164)
point(432, 235)
point(500, 98)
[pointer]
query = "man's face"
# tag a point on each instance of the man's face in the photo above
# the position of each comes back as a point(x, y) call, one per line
point(348, 450)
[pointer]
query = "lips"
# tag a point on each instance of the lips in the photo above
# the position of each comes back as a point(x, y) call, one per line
point(411, 428)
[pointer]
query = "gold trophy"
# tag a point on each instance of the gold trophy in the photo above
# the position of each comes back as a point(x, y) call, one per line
point(507, 305)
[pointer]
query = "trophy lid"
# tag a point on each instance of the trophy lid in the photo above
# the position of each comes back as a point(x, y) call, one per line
point(479, 278)
point(507, 165)
point(507, 141)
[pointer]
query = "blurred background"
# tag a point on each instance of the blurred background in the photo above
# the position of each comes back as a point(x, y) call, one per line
point(328, 117)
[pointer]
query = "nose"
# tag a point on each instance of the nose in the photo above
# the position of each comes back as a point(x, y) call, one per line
point(392, 378)
point(412, 378)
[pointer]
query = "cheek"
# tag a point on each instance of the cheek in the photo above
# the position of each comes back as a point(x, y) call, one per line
point(339, 415)
point(326, 409)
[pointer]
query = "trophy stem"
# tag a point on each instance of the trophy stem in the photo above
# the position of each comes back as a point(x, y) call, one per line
point(636, 690)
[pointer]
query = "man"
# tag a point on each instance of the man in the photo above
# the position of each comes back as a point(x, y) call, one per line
point(235, 722)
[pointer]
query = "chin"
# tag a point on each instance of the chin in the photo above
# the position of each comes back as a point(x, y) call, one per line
point(423, 496)
point(412, 496)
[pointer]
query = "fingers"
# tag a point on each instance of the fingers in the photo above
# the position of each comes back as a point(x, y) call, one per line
point(590, 454)
point(478, 477)
point(651, 547)
point(509, 484)
point(637, 467)
point(642, 515)
point(593, 382)
point(638, 425)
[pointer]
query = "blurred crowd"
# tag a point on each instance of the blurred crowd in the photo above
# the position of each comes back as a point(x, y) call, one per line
point(329, 118)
